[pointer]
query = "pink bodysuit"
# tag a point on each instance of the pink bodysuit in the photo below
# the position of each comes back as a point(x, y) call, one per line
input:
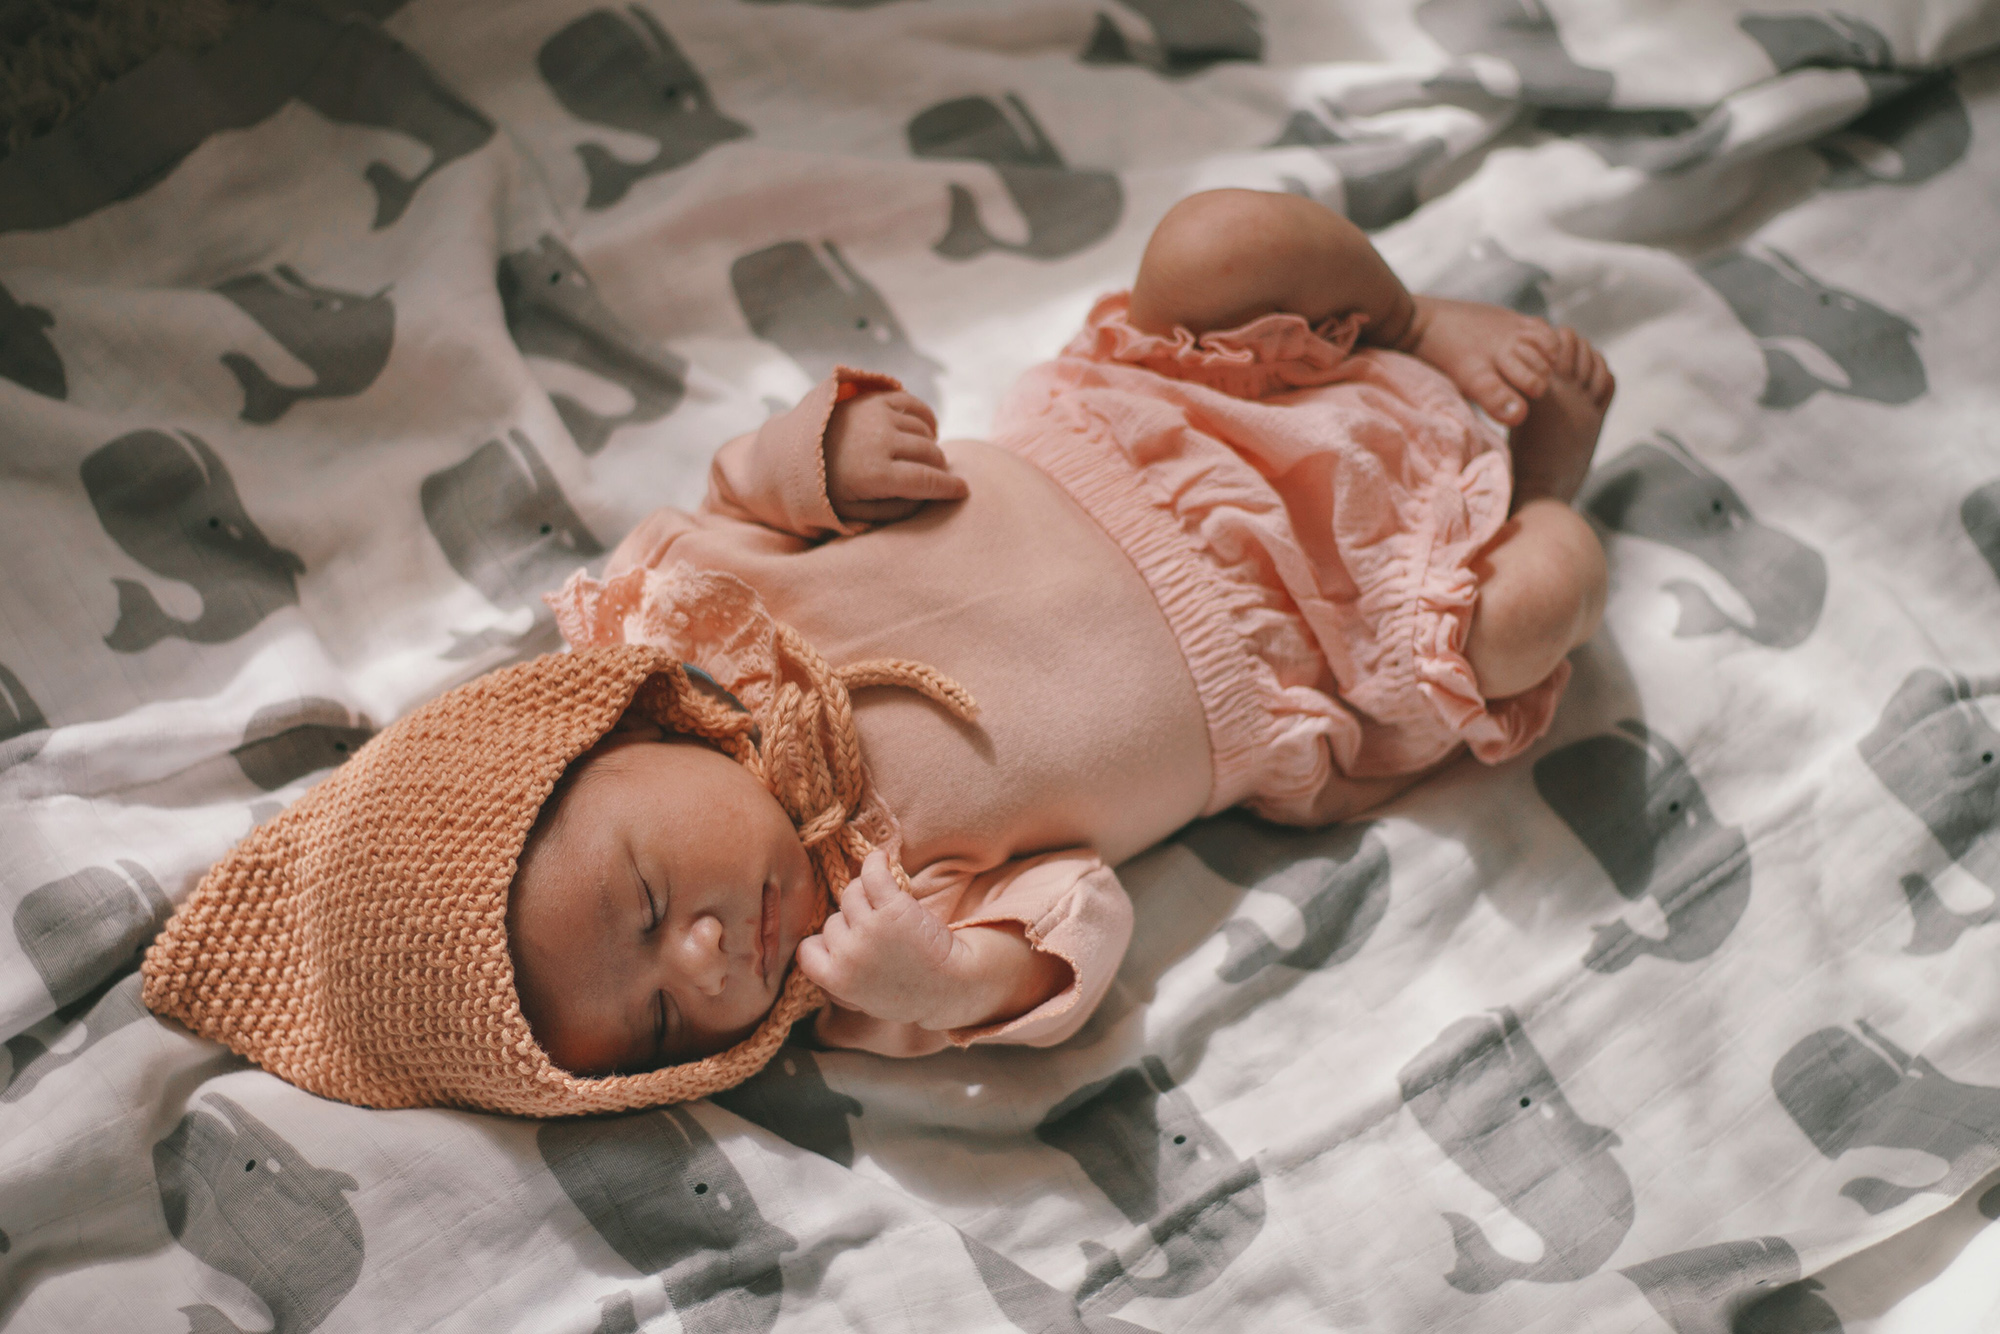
point(1192, 573)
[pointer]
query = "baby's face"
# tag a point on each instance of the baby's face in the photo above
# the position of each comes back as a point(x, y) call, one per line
point(653, 918)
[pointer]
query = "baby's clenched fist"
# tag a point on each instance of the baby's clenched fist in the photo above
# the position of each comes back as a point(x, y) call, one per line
point(882, 953)
point(883, 460)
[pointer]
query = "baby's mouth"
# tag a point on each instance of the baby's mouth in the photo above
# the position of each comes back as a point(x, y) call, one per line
point(767, 935)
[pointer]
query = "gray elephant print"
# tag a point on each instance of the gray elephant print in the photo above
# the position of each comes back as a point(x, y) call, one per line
point(1630, 798)
point(31, 1056)
point(1662, 493)
point(170, 504)
point(1980, 516)
point(506, 527)
point(628, 74)
point(1795, 41)
point(1915, 128)
point(27, 357)
point(1939, 756)
point(1520, 34)
point(1488, 1099)
point(1185, 36)
point(342, 337)
point(661, 1193)
point(243, 1201)
point(1816, 337)
point(554, 310)
point(1846, 1091)
point(790, 1098)
point(1378, 172)
point(1337, 878)
point(1486, 272)
point(347, 69)
point(1737, 1287)
point(86, 927)
point(1067, 210)
point(822, 313)
point(1031, 1305)
point(23, 728)
point(1140, 1138)
point(285, 742)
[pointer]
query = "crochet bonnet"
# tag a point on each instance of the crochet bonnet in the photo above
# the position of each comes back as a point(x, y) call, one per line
point(356, 944)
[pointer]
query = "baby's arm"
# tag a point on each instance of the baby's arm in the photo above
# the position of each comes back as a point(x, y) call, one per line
point(1223, 257)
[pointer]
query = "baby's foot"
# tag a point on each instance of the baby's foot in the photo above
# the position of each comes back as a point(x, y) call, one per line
point(1553, 445)
point(1498, 358)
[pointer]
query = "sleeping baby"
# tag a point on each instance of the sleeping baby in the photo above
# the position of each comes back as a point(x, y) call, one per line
point(862, 737)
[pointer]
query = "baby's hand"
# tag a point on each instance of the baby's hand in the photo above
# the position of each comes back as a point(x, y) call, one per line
point(1498, 358)
point(883, 460)
point(883, 954)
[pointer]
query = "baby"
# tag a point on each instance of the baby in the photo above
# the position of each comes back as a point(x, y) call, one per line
point(1211, 558)
point(1244, 542)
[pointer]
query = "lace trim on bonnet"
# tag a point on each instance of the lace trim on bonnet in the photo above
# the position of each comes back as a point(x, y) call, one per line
point(717, 622)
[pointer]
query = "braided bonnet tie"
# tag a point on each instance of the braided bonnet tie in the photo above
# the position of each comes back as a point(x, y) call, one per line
point(806, 752)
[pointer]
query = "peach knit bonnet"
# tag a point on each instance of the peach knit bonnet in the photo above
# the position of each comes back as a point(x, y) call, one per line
point(356, 945)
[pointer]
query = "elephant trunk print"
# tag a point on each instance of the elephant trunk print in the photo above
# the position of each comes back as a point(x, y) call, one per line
point(1187, 36)
point(342, 337)
point(82, 929)
point(554, 310)
point(1485, 1095)
point(243, 1201)
point(629, 75)
point(1664, 494)
point(1337, 878)
point(1066, 210)
point(822, 313)
point(663, 1195)
point(1520, 34)
point(1737, 1287)
point(27, 357)
point(171, 505)
point(1940, 757)
point(1630, 798)
point(1814, 336)
point(1139, 1137)
point(1846, 1091)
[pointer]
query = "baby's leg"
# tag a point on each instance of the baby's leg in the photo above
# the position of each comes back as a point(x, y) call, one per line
point(1224, 257)
point(1541, 593)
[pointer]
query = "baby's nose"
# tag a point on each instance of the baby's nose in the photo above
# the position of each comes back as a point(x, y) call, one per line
point(708, 966)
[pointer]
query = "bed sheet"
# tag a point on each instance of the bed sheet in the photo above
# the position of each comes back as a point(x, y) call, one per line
point(324, 353)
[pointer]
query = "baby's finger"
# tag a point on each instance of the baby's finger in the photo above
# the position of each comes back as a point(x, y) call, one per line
point(1524, 371)
point(1490, 392)
point(920, 481)
point(903, 401)
point(820, 967)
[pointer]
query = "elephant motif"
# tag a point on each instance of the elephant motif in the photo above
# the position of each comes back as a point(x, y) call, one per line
point(822, 313)
point(1631, 799)
point(243, 1201)
point(27, 357)
point(1662, 493)
point(554, 310)
point(1140, 1138)
point(1067, 210)
point(342, 337)
point(1337, 878)
point(84, 928)
point(285, 742)
point(1186, 36)
point(1488, 1099)
point(1815, 337)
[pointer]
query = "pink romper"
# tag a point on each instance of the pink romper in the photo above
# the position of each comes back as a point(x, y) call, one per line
point(1306, 515)
point(1190, 574)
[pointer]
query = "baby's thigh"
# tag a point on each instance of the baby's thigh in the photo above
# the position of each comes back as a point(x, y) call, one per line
point(1541, 593)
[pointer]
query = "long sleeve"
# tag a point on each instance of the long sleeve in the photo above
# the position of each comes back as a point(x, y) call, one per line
point(776, 475)
point(1067, 903)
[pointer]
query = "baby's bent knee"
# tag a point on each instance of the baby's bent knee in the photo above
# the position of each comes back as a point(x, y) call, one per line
point(1542, 590)
point(1223, 257)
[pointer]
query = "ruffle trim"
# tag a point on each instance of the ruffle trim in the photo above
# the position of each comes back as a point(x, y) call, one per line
point(1270, 354)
